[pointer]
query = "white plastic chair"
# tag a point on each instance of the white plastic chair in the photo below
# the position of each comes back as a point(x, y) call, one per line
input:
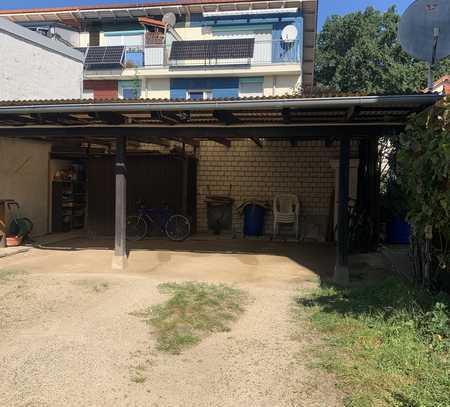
point(286, 209)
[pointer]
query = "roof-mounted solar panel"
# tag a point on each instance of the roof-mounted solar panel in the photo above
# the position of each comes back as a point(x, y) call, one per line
point(237, 48)
point(101, 57)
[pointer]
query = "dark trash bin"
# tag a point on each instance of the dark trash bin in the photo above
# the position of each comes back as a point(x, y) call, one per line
point(219, 213)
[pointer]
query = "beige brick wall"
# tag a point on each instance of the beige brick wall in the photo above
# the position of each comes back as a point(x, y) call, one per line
point(260, 173)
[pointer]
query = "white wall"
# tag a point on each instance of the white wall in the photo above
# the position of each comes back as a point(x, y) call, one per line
point(33, 67)
point(84, 39)
point(24, 177)
point(279, 85)
point(158, 88)
point(31, 72)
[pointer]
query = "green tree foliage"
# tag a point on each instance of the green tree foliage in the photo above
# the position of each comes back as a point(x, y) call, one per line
point(359, 52)
point(424, 171)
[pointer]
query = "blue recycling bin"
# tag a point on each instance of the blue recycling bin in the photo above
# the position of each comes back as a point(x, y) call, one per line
point(254, 220)
point(398, 231)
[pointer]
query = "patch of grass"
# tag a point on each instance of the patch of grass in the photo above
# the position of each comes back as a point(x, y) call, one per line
point(387, 343)
point(137, 374)
point(95, 285)
point(99, 288)
point(7, 275)
point(194, 311)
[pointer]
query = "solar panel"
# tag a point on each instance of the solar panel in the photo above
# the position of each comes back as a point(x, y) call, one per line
point(94, 56)
point(213, 49)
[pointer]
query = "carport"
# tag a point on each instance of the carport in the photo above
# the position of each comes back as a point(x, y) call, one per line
point(118, 123)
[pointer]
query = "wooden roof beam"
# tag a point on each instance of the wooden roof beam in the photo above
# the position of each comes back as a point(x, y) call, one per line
point(329, 141)
point(257, 141)
point(148, 140)
point(186, 140)
point(224, 141)
point(226, 117)
point(168, 117)
point(59, 118)
point(150, 133)
point(109, 117)
point(286, 113)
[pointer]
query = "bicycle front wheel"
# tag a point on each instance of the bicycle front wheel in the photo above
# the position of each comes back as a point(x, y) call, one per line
point(136, 228)
point(178, 228)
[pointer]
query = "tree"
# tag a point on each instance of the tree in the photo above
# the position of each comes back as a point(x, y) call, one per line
point(359, 52)
point(424, 172)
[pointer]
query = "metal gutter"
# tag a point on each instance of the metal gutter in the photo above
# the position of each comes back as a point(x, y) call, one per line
point(261, 104)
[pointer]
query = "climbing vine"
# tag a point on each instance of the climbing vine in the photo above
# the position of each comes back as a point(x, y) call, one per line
point(424, 172)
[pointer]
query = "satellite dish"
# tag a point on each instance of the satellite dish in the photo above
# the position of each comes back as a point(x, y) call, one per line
point(289, 33)
point(424, 31)
point(169, 19)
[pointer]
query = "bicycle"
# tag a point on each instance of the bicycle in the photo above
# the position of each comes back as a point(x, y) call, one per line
point(360, 228)
point(19, 225)
point(175, 226)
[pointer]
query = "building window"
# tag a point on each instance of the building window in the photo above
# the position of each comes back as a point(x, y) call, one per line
point(199, 94)
point(127, 38)
point(251, 87)
point(130, 89)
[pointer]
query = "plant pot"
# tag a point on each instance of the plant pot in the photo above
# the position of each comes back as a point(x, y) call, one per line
point(13, 241)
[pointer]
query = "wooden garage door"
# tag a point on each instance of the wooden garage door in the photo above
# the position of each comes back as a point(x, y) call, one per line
point(154, 179)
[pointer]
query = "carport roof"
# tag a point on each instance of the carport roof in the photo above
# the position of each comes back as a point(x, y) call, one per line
point(275, 117)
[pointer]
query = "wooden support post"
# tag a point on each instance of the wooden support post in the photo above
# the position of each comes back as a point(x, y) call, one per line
point(374, 191)
point(185, 184)
point(341, 271)
point(2, 224)
point(120, 242)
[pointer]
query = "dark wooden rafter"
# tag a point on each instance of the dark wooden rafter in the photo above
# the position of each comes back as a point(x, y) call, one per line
point(329, 141)
point(226, 117)
point(149, 140)
point(147, 134)
point(168, 118)
point(109, 117)
point(221, 140)
point(52, 118)
point(186, 140)
point(171, 117)
point(16, 119)
point(257, 141)
point(286, 113)
point(350, 113)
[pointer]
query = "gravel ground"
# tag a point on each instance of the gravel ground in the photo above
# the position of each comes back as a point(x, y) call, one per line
point(67, 338)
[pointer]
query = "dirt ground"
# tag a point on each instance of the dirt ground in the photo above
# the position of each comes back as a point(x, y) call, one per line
point(67, 337)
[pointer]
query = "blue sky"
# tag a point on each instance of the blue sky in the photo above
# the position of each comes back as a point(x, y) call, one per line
point(327, 7)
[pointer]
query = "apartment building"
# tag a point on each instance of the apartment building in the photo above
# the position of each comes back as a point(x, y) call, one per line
point(198, 49)
point(34, 67)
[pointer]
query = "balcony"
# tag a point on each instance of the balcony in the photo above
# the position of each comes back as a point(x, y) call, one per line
point(212, 53)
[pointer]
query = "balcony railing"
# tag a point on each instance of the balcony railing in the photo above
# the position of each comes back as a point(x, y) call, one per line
point(265, 53)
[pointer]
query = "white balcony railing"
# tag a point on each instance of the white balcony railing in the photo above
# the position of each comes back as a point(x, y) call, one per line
point(265, 53)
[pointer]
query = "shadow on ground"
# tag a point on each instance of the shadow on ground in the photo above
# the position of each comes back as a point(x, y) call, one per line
point(316, 257)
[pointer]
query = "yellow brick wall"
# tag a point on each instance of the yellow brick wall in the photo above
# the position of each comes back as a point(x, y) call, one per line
point(260, 173)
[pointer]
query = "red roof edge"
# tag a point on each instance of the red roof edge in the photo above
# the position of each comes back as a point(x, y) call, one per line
point(119, 6)
point(441, 80)
point(151, 21)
